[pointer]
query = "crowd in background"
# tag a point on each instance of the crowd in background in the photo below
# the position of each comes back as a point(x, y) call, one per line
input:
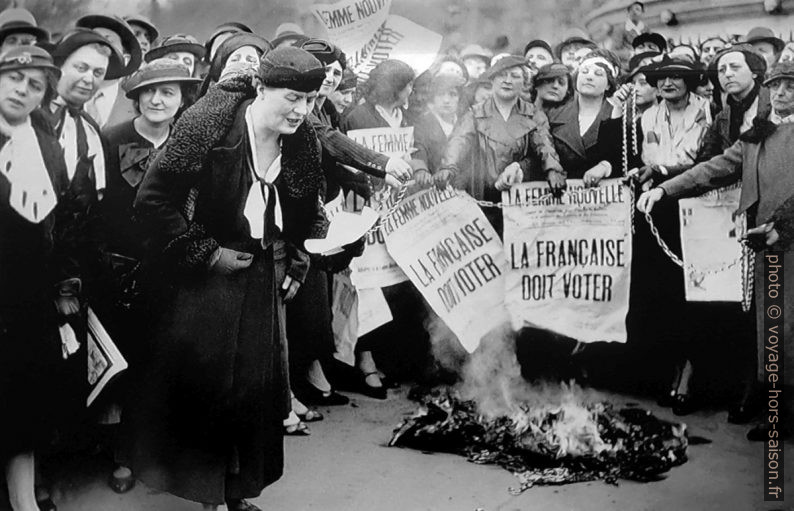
point(169, 185)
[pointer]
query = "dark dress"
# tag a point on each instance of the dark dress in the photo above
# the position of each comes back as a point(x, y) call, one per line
point(206, 421)
point(400, 347)
point(30, 348)
point(578, 153)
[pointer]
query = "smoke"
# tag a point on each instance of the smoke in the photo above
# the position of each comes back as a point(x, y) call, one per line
point(492, 378)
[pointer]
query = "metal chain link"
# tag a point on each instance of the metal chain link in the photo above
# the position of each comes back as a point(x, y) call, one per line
point(383, 217)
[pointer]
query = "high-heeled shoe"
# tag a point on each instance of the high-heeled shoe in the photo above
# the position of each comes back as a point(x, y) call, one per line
point(46, 505)
point(683, 404)
point(370, 391)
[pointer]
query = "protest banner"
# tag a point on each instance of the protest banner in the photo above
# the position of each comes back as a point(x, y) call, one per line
point(710, 243)
point(569, 259)
point(368, 35)
point(375, 267)
point(454, 257)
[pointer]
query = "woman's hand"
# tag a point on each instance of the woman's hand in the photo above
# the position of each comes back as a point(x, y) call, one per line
point(442, 178)
point(595, 174)
point(649, 198)
point(228, 261)
point(423, 179)
point(619, 98)
point(67, 305)
point(289, 288)
point(512, 174)
point(644, 174)
point(399, 168)
point(760, 237)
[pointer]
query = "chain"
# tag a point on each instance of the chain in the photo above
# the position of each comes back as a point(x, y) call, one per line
point(383, 217)
point(629, 123)
point(748, 270)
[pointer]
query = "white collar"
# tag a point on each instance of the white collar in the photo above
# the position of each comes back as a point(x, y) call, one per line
point(446, 127)
point(775, 118)
point(393, 118)
point(636, 27)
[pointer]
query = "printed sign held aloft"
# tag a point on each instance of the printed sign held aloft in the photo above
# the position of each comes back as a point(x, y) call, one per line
point(569, 259)
point(368, 35)
point(444, 243)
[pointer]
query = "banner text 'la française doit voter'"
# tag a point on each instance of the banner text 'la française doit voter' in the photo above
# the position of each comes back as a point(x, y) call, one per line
point(569, 259)
point(454, 257)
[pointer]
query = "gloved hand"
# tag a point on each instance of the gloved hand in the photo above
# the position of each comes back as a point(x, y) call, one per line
point(229, 261)
point(556, 182)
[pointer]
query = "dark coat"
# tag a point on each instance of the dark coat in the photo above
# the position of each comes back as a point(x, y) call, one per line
point(482, 145)
point(206, 423)
point(31, 264)
point(601, 142)
point(718, 137)
point(760, 158)
point(430, 141)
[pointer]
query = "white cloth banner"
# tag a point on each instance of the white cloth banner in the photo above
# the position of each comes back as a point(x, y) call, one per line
point(710, 241)
point(454, 257)
point(569, 259)
point(375, 267)
point(368, 35)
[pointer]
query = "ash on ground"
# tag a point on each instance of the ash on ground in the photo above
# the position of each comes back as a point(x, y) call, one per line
point(549, 444)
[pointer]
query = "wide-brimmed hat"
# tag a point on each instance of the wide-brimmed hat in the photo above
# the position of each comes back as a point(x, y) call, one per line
point(76, 38)
point(155, 72)
point(119, 26)
point(671, 67)
point(28, 57)
point(137, 19)
point(507, 62)
point(576, 39)
point(177, 43)
point(288, 32)
point(764, 34)
point(224, 28)
point(477, 51)
point(639, 62)
point(650, 37)
point(18, 20)
point(291, 68)
point(781, 71)
point(230, 45)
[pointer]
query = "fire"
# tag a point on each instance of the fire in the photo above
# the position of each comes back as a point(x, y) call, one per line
point(544, 433)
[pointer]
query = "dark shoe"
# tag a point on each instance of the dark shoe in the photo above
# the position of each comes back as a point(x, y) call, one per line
point(666, 400)
point(241, 505)
point(759, 433)
point(683, 404)
point(742, 413)
point(370, 391)
point(311, 395)
point(46, 505)
point(121, 484)
point(311, 416)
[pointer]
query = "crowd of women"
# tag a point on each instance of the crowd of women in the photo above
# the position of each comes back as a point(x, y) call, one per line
point(168, 187)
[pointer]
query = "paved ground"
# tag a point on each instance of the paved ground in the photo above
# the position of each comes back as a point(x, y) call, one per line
point(345, 466)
